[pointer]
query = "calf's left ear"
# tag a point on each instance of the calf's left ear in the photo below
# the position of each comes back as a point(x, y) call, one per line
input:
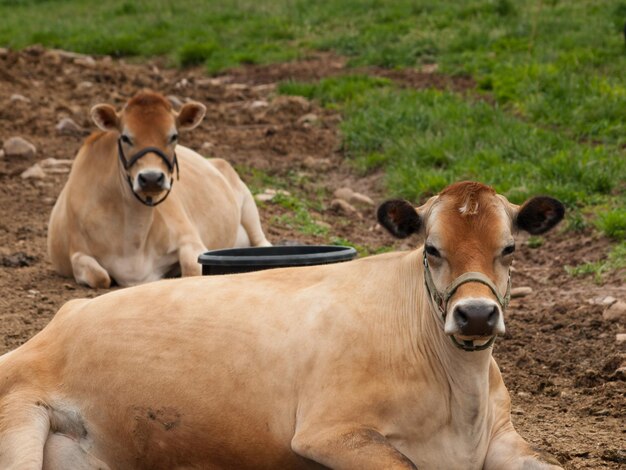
point(399, 217)
point(190, 115)
point(539, 214)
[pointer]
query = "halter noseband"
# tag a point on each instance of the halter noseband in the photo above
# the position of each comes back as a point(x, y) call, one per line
point(128, 164)
point(439, 300)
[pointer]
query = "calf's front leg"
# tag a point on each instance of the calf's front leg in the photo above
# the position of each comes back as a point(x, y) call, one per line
point(349, 447)
point(89, 272)
point(188, 259)
point(509, 451)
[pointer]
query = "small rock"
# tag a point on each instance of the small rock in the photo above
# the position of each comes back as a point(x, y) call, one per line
point(19, 147)
point(55, 163)
point(616, 311)
point(517, 411)
point(34, 171)
point(175, 100)
point(321, 223)
point(343, 207)
point(430, 68)
point(82, 86)
point(352, 197)
point(521, 292)
point(259, 104)
point(269, 194)
point(308, 118)
point(1, 153)
point(523, 394)
point(86, 61)
point(18, 98)
point(17, 260)
point(316, 163)
point(620, 338)
point(182, 84)
point(3, 51)
point(608, 300)
point(207, 146)
point(68, 126)
point(66, 54)
point(291, 104)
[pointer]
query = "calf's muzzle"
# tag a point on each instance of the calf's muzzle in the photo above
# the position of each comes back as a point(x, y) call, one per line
point(476, 317)
point(152, 181)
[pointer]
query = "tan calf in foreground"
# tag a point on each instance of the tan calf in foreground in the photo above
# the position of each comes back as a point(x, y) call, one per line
point(137, 206)
point(346, 366)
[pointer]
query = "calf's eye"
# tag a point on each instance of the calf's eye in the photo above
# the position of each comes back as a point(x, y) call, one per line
point(432, 251)
point(174, 138)
point(126, 139)
point(508, 250)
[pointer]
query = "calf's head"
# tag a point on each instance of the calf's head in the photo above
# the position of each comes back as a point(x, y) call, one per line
point(148, 133)
point(468, 233)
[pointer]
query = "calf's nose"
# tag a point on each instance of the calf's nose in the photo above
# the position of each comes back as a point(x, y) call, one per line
point(151, 180)
point(476, 318)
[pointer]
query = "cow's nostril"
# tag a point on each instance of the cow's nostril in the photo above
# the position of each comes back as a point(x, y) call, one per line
point(461, 317)
point(142, 180)
point(493, 316)
point(161, 179)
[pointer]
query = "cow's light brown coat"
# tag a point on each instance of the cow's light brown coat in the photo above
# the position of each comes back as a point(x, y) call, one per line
point(99, 231)
point(343, 366)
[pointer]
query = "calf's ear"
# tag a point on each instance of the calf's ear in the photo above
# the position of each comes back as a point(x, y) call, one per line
point(399, 217)
point(190, 115)
point(539, 214)
point(105, 117)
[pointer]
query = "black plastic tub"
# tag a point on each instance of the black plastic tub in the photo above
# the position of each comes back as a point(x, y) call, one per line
point(242, 260)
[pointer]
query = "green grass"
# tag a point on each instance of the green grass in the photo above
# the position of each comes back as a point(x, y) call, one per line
point(552, 70)
point(616, 260)
point(553, 62)
point(427, 139)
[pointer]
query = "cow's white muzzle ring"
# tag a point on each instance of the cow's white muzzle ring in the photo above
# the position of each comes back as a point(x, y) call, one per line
point(128, 164)
point(439, 300)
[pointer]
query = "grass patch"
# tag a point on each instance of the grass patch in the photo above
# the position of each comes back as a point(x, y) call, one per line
point(428, 139)
point(613, 223)
point(555, 63)
point(333, 91)
point(615, 260)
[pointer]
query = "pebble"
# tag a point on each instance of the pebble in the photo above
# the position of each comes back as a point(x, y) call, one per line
point(521, 291)
point(86, 61)
point(620, 338)
point(19, 147)
point(308, 118)
point(313, 163)
point(353, 197)
point(34, 171)
point(1, 153)
point(615, 311)
point(82, 86)
point(18, 98)
point(68, 126)
point(259, 104)
point(270, 194)
point(291, 104)
point(207, 146)
point(343, 207)
point(430, 68)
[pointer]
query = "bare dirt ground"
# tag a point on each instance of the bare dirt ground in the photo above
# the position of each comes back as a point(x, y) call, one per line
point(558, 357)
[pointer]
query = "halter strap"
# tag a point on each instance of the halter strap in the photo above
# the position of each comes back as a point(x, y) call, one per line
point(128, 164)
point(439, 300)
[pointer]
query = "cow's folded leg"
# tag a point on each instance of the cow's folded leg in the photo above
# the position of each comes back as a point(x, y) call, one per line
point(251, 221)
point(188, 259)
point(509, 451)
point(89, 272)
point(349, 447)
